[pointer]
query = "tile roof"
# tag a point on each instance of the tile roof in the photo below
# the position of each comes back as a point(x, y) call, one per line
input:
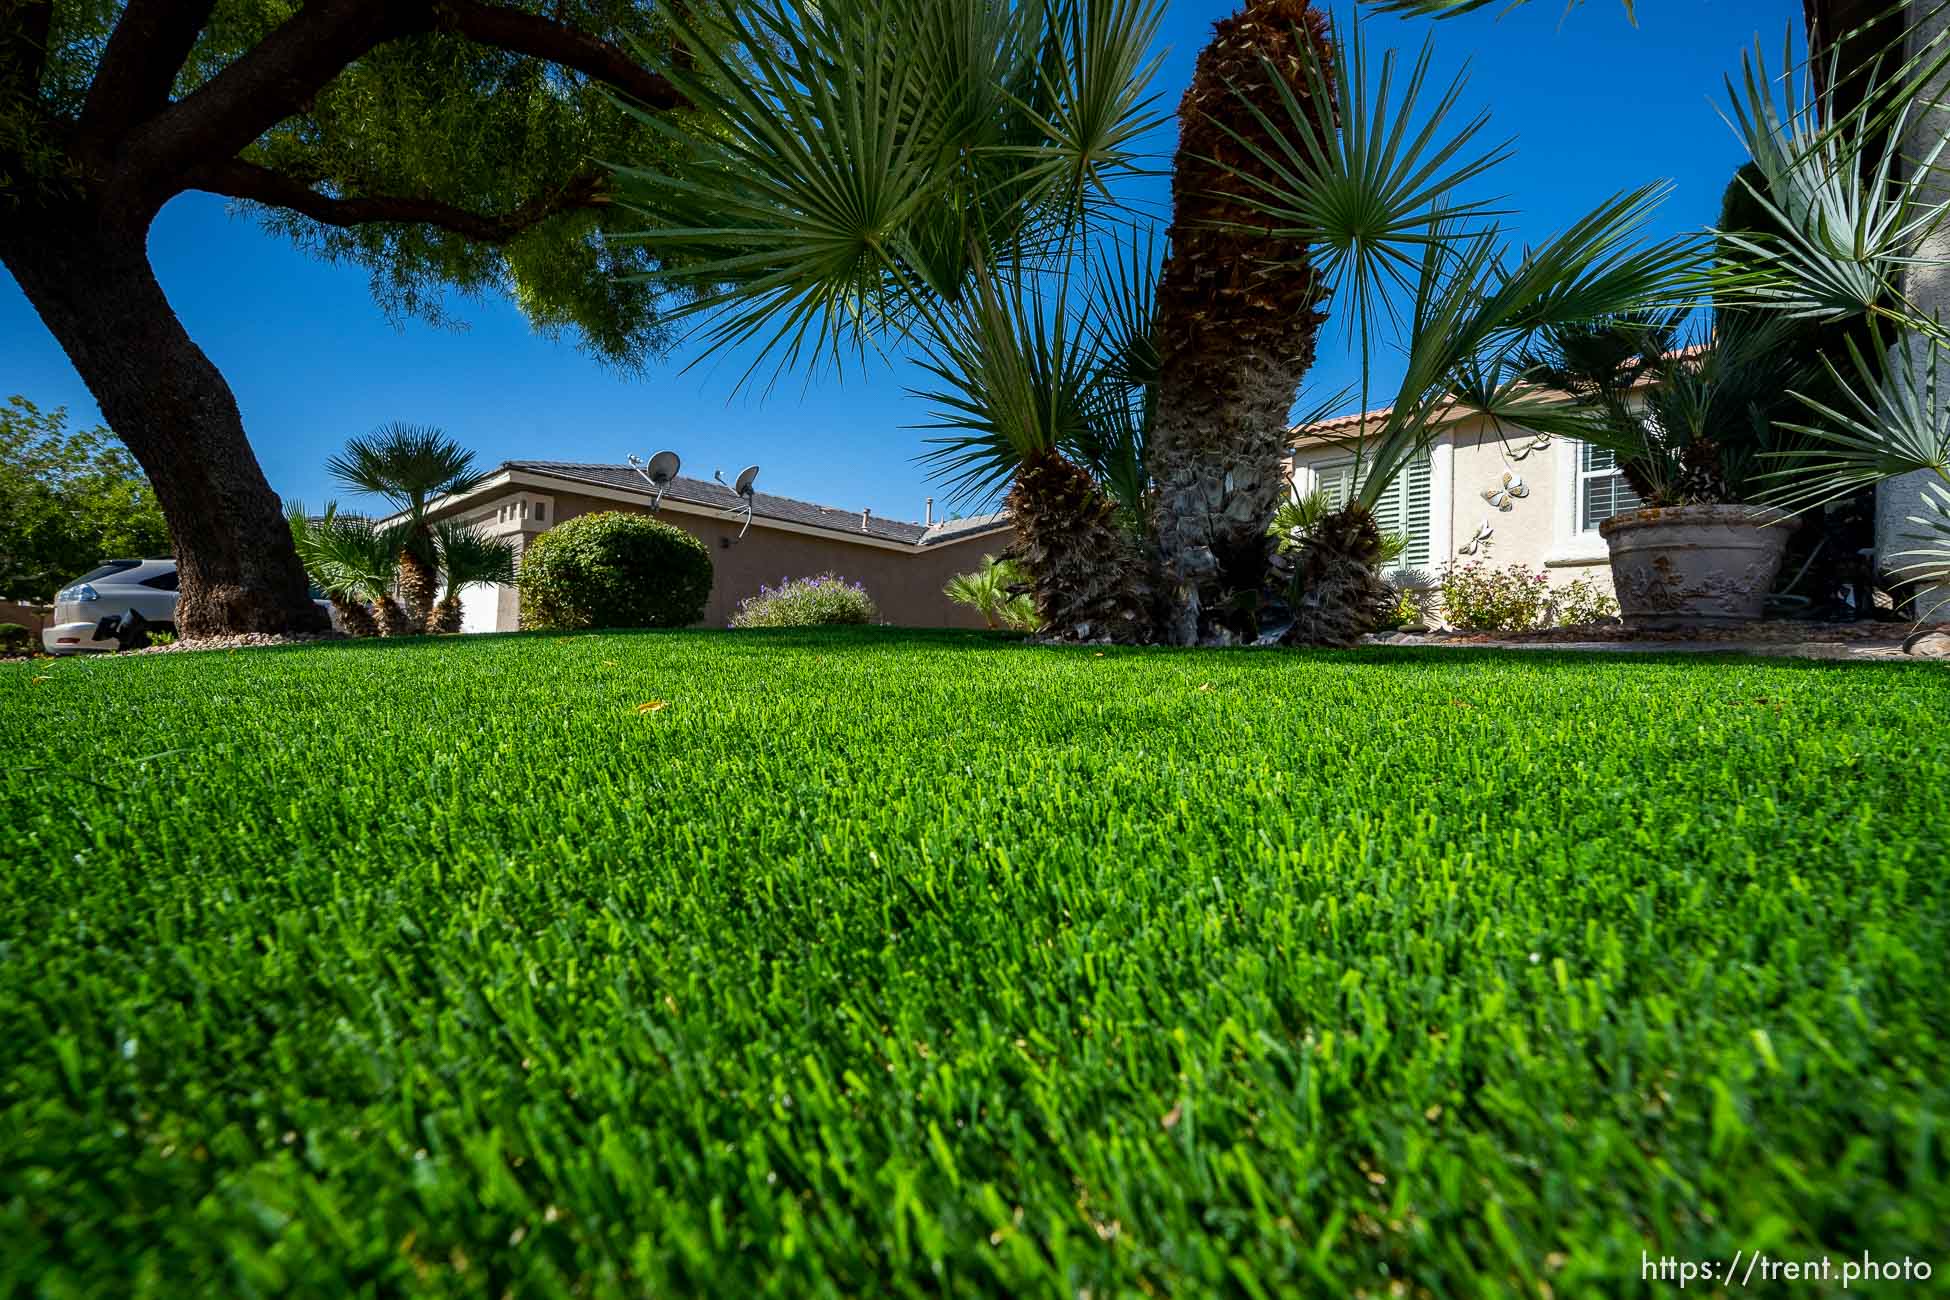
point(706, 492)
point(1339, 423)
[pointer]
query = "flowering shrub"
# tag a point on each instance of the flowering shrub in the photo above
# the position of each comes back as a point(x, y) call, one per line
point(1477, 598)
point(1582, 601)
point(806, 602)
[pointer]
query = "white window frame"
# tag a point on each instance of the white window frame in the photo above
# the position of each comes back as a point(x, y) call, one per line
point(1586, 475)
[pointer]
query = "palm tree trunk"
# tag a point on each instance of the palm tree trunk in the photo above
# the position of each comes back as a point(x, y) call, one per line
point(1090, 574)
point(392, 619)
point(355, 618)
point(1238, 310)
point(1338, 595)
point(445, 618)
point(91, 283)
point(418, 584)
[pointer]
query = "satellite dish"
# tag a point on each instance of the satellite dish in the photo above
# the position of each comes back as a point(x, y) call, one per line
point(658, 473)
point(743, 487)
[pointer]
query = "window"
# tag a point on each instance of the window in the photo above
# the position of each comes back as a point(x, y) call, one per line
point(541, 511)
point(162, 581)
point(1602, 489)
point(107, 569)
point(1403, 508)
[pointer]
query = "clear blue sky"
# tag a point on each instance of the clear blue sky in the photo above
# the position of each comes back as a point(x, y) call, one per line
point(1593, 103)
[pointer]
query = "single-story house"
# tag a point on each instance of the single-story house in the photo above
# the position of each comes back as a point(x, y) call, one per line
point(902, 565)
point(1510, 498)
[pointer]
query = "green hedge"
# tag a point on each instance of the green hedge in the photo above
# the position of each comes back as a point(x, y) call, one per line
point(614, 570)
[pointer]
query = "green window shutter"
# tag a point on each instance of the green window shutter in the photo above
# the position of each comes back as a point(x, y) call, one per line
point(1417, 487)
point(1337, 482)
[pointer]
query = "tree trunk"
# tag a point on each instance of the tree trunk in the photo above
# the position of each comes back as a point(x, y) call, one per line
point(1089, 575)
point(1238, 309)
point(1338, 594)
point(391, 619)
point(95, 290)
point(418, 584)
point(354, 618)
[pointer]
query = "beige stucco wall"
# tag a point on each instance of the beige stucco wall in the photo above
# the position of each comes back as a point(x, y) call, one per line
point(904, 583)
point(1537, 530)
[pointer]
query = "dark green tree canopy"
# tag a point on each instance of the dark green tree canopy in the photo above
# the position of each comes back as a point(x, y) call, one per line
point(69, 499)
point(450, 145)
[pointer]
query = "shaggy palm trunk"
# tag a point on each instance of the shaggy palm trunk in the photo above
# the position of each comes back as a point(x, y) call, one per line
point(1089, 574)
point(392, 619)
point(88, 276)
point(1238, 310)
point(446, 615)
point(354, 618)
point(1338, 594)
point(418, 584)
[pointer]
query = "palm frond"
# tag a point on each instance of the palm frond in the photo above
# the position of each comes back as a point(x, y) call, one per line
point(846, 164)
point(1371, 194)
point(409, 465)
point(470, 557)
point(1878, 430)
point(1845, 234)
point(1017, 379)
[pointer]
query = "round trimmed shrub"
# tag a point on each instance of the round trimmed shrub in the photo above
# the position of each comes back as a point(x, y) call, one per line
point(822, 599)
point(613, 569)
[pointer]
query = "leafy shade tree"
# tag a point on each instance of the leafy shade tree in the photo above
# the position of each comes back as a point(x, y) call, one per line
point(468, 558)
point(441, 144)
point(1238, 312)
point(991, 592)
point(68, 500)
point(411, 466)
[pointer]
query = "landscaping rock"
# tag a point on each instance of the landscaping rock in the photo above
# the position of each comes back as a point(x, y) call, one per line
point(244, 641)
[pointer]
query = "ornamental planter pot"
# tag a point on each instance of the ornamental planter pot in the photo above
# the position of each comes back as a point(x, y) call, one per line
point(1695, 566)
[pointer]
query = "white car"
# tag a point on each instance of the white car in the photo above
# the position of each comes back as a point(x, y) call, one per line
point(88, 611)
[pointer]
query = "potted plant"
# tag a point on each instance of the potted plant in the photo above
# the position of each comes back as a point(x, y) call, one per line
point(1695, 430)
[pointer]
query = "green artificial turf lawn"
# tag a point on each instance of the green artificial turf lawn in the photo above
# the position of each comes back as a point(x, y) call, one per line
point(884, 962)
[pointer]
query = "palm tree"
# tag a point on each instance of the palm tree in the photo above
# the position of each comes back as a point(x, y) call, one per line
point(1239, 310)
point(1372, 194)
point(988, 591)
point(356, 563)
point(310, 536)
point(468, 557)
point(411, 466)
point(923, 174)
point(1030, 398)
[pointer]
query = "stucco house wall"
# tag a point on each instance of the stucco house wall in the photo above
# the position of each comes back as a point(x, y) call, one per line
point(1468, 464)
point(904, 580)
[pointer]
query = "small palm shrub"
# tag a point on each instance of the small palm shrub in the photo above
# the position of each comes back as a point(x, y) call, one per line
point(1477, 598)
point(14, 639)
point(822, 599)
point(987, 592)
point(613, 569)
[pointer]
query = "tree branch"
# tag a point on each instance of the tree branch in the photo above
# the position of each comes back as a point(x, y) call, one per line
point(282, 73)
point(274, 80)
point(554, 42)
point(238, 179)
point(148, 47)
